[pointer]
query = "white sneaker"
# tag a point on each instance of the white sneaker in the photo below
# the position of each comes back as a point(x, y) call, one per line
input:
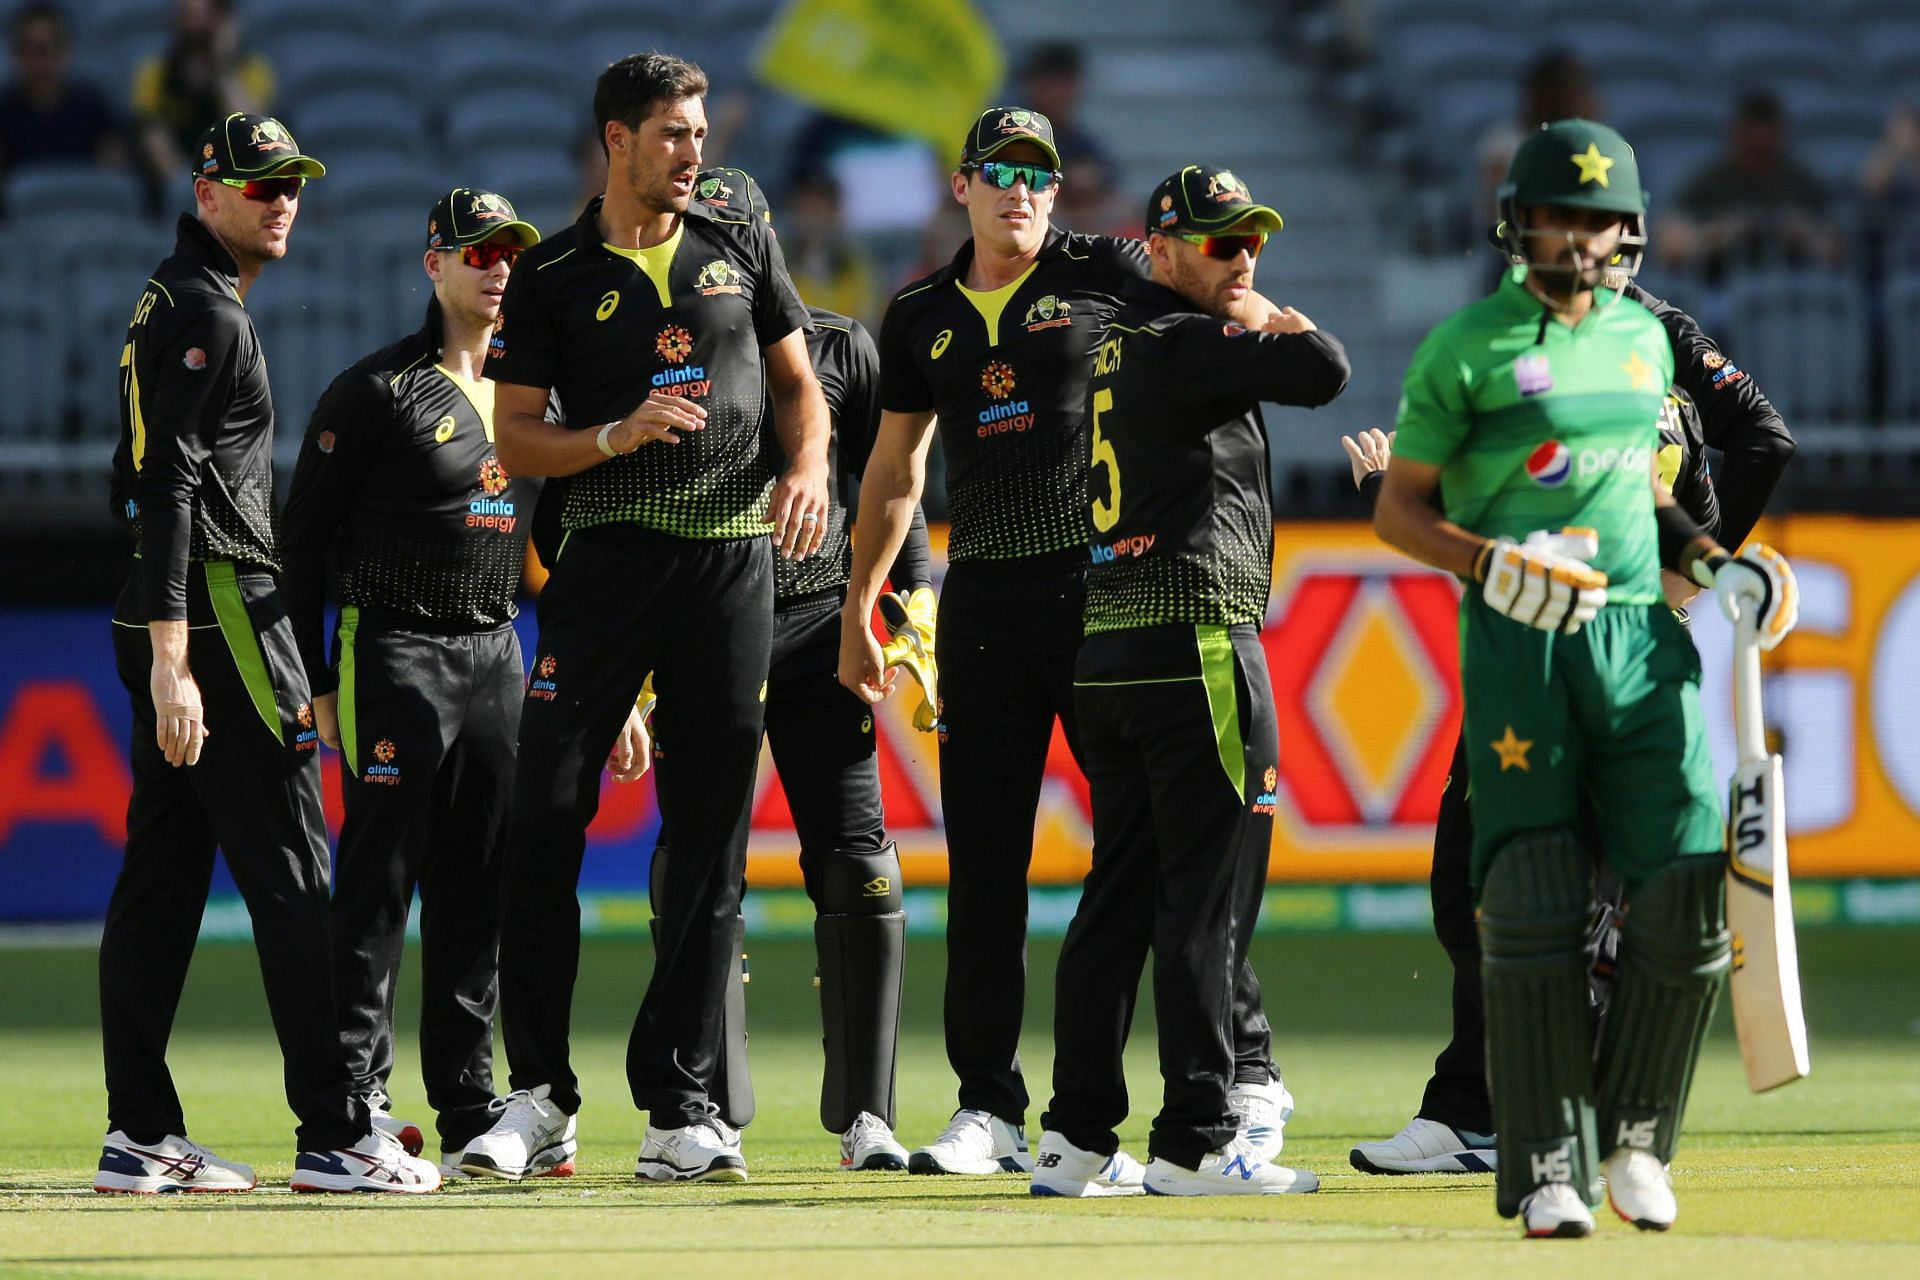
point(1264, 1110)
point(1234, 1170)
point(450, 1170)
point(375, 1163)
point(1556, 1210)
point(532, 1138)
point(1427, 1146)
point(870, 1144)
point(171, 1164)
point(1640, 1189)
point(1062, 1169)
point(975, 1142)
point(707, 1152)
point(405, 1131)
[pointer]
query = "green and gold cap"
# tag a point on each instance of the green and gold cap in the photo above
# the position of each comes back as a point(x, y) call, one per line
point(1001, 127)
point(468, 215)
point(1578, 164)
point(733, 190)
point(1207, 201)
point(245, 146)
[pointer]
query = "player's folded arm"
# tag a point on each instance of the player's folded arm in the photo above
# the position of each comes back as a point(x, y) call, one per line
point(1237, 364)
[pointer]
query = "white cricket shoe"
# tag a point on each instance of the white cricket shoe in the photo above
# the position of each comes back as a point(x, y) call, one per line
point(532, 1138)
point(1640, 1189)
point(375, 1163)
point(1263, 1110)
point(708, 1151)
point(1556, 1210)
point(450, 1170)
point(870, 1144)
point(1427, 1146)
point(379, 1107)
point(1062, 1169)
point(975, 1142)
point(171, 1164)
point(1234, 1170)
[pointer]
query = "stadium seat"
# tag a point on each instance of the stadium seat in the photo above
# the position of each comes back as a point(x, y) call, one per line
point(103, 279)
point(1902, 303)
point(31, 353)
point(1753, 52)
point(522, 117)
point(326, 65)
point(64, 192)
point(1805, 332)
point(358, 122)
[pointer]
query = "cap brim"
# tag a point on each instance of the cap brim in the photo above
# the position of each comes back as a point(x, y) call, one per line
point(1053, 157)
point(294, 167)
point(525, 232)
point(1258, 217)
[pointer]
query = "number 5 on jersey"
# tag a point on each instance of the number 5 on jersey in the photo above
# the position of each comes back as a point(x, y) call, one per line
point(1106, 513)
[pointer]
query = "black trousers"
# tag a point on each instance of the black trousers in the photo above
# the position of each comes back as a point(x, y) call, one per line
point(428, 722)
point(822, 739)
point(1180, 744)
point(621, 602)
point(1457, 1092)
point(255, 794)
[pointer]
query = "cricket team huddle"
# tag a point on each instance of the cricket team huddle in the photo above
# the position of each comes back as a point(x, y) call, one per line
point(640, 410)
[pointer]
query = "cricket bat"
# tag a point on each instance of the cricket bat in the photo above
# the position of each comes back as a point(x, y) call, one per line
point(1766, 959)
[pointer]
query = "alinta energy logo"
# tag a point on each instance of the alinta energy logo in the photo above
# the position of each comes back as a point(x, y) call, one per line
point(1268, 801)
point(306, 737)
point(543, 686)
point(383, 770)
point(1050, 312)
point(674, 345)
point(1125, 549)
point(1010, 417)
point(493, 511)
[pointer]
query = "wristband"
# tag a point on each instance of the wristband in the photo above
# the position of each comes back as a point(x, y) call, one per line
point(606, 446)
point(1480, 559)
point(1703, 561)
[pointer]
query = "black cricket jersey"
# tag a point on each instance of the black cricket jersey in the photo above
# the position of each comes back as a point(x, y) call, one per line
point(605, 328)
point(848, 368)
point(1179, 494)
point(398, 476)
point(1006, 373)
point(193, 472)
point(1682, 460)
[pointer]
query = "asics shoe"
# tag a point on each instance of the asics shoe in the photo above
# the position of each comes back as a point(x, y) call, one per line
point(1062, 1169)
point(375, 1163)
point(976, 1142)
point(530, 1138)
point(406, 1131)
point(1427, 1146)
point(171, 1164)
point(705, 1152)
point(870, 1144)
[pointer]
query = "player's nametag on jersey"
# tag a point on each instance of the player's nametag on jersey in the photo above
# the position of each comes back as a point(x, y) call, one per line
point(1532, 374)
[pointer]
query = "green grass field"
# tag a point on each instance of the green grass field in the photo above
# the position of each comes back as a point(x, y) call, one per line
point(1822, 1178)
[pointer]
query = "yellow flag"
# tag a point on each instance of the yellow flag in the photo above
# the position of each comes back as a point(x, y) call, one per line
point(924, 68)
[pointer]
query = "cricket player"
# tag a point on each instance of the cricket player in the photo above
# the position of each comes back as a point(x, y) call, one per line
point(664, 326)
point(224, 742)
point(823, 746)
point(400, 484)
point(1539, 406)
point(1177, 722)
point(997, 347)
point(1713, 403)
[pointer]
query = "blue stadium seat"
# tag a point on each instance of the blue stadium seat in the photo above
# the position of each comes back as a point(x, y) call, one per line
point(1750, 52)
point(1902, 304)
point(514, 118)
point(313, 319)
point(1887, 53)
point(339, 64)
point(32, 354)
point(102, 280)
point(60, 192)
point(1806, 331)
point(358, 121)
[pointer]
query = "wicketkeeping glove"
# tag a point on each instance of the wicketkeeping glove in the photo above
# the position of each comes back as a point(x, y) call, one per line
point(1758, 579)
point(909, 620)
point(1545, 581)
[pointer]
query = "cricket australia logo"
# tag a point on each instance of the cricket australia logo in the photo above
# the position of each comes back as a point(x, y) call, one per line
point(717, 276)
point(1227, 189)
point(488, 207)
point(1051, 312)
point(714, 191)
point(1018, 122)
point(383, 770)
point(271, 135)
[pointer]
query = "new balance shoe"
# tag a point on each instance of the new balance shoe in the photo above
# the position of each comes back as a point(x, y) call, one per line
point(1234, 1170)
point(1263, 1110)
point(1640, 1189)
point(708, 1151)
point(1555, 1211)
point(975, 1142)
point(870, 1144)
point(171, 1164)
point(530, 1138)
point(1062, 1169)
point(375, 1163)
point(405, 1131)
point(1427, 1146)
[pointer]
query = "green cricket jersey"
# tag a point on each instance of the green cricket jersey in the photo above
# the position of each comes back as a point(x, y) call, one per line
point(1537, 425)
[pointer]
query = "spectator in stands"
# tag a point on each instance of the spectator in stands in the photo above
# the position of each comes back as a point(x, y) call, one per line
point(1756, 204)
point(1051, 78)
point(46, 116)
point(205, 71)
point(827, 264)
point(1890, 182)
point(1556, 85)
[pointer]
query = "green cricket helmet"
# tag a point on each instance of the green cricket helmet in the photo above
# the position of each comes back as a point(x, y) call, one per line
point(1575, 164)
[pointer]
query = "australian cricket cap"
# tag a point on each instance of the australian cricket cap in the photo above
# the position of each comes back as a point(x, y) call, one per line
point(1001, 127)
point(468, 215)
point(1207, 201)
point(245, 146)
point(734, 191)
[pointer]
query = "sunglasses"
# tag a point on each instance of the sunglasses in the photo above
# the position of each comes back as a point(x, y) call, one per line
point(266, 190)
point(1227, 248)
point(484, 255)
point(1003, 175)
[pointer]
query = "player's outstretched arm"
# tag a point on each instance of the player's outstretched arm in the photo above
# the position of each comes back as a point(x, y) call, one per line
point(889, 492)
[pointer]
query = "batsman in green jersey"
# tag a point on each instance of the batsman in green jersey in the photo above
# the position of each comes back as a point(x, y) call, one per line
point(1535, 412)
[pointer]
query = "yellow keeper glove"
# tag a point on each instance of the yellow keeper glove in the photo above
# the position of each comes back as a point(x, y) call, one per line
point(909, 620)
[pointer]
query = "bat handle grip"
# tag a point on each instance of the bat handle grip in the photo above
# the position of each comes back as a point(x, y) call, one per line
point(1749, 726)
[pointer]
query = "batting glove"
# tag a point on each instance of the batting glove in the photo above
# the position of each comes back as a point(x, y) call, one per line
point(1544, 582)
point(1758, 580)
point(909, 620)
